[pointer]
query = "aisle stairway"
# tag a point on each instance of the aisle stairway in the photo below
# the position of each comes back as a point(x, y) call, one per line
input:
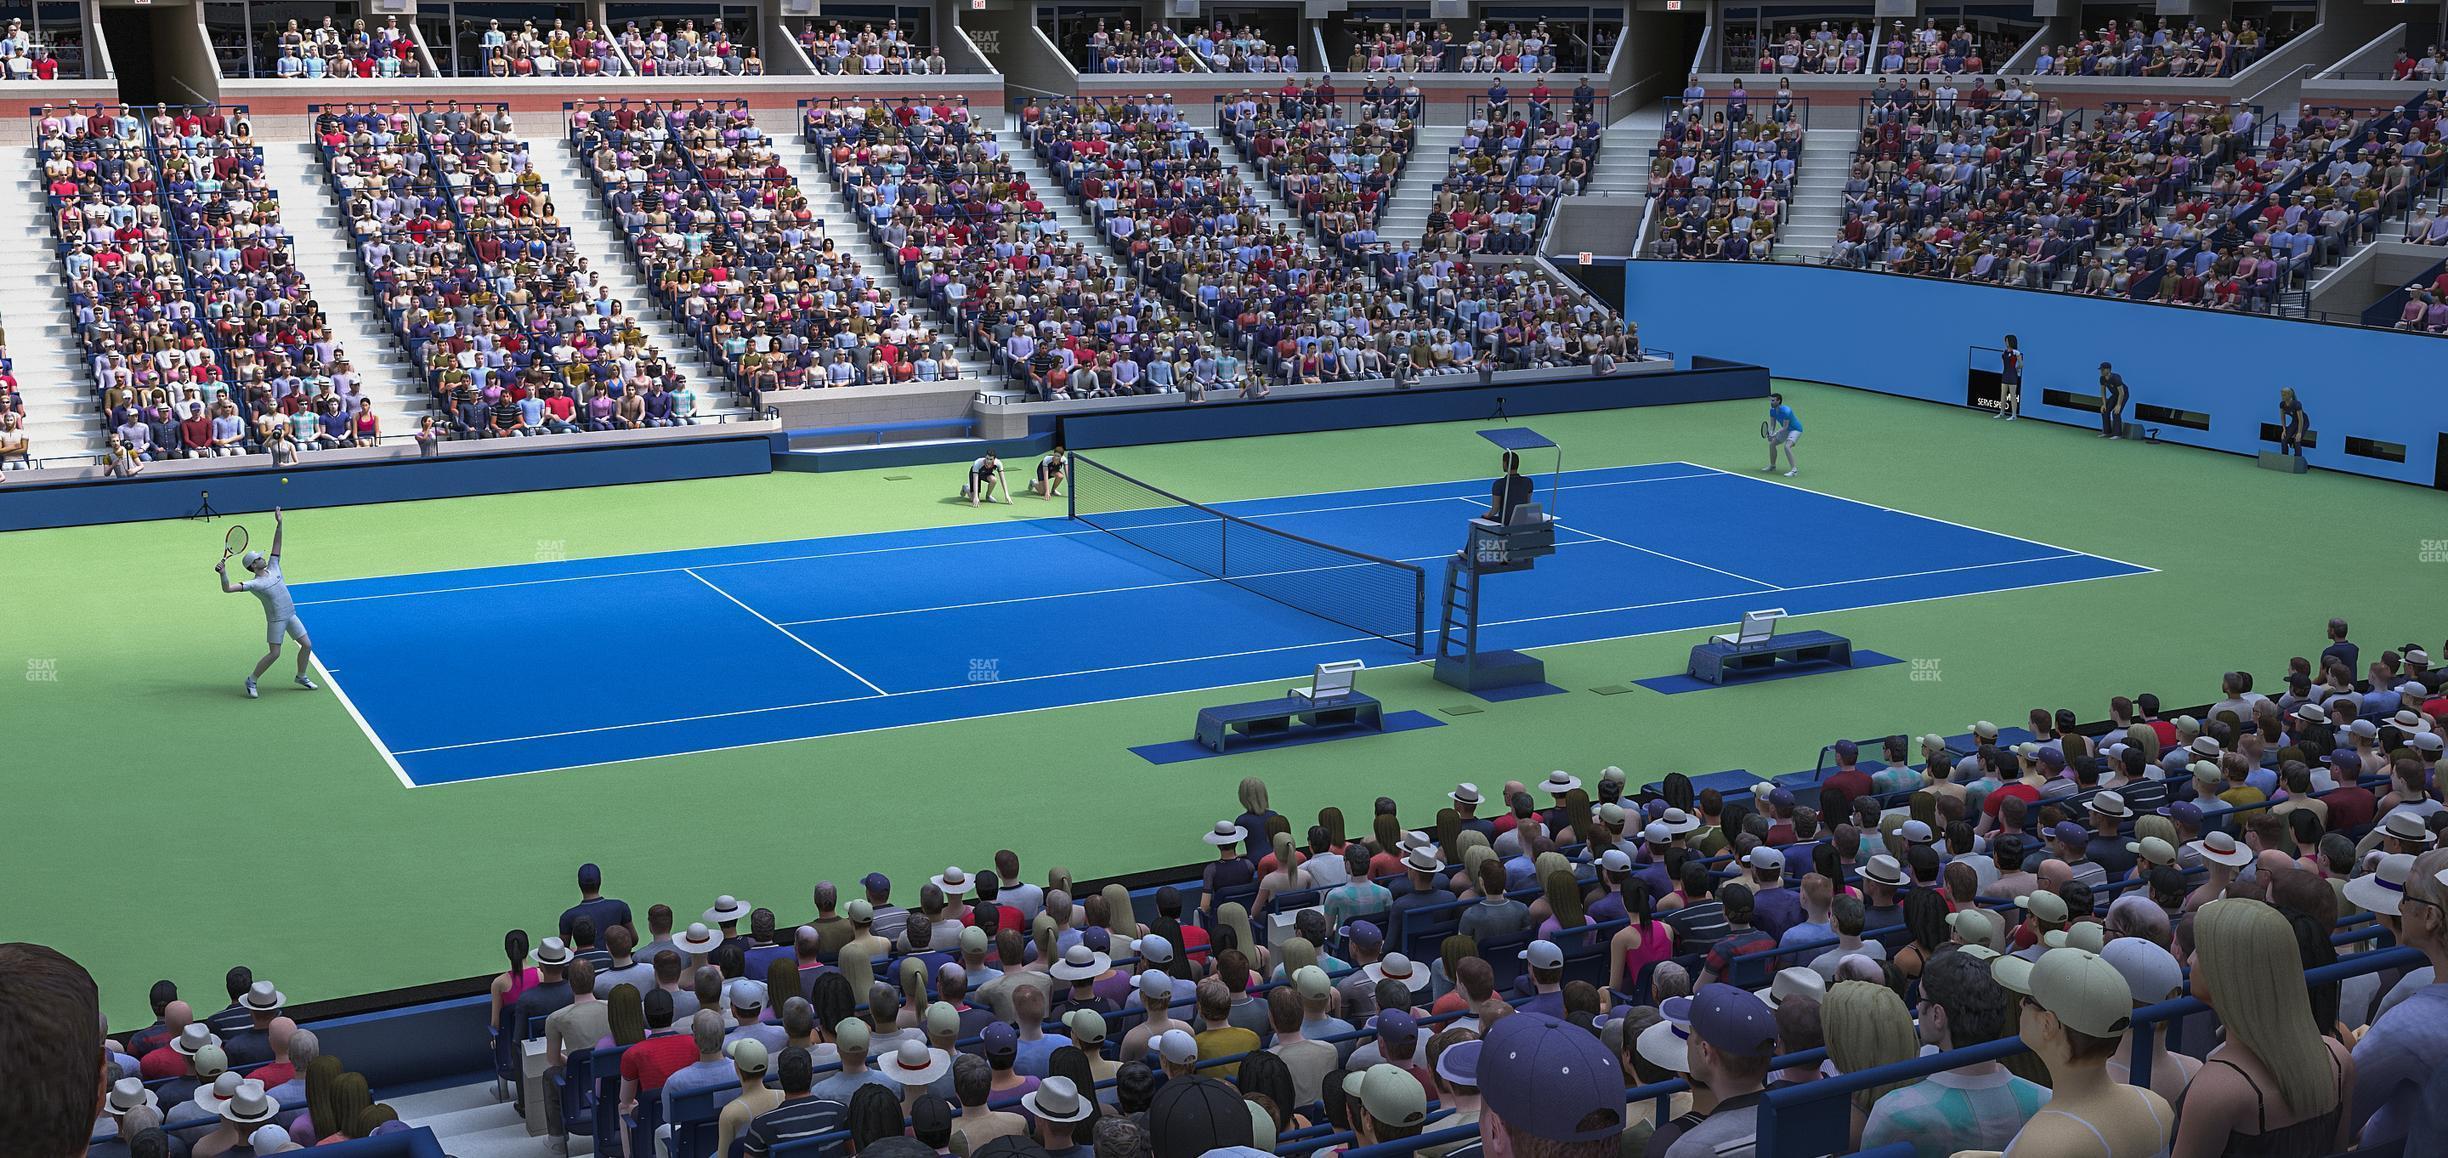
point(598, 241)
point(63, 410)
point(319, 243)
point(1623, 161)
point(1405, 216)
point(1817, 213)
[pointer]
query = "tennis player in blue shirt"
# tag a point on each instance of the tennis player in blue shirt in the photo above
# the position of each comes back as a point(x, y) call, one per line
point(1784, 429)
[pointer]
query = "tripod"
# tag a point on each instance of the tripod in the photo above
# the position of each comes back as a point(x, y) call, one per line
point(204, 509)
point(1498, 414)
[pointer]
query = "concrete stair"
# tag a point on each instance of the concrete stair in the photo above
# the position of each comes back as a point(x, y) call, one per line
point(470, 1123)
point(1069, 214)
point(1623, 161)
point(63, 409)
point(1270, 205)
point(1816, 215)
point(319, 244)
point(1405, 216)
point(598, 244)
point(848, 236)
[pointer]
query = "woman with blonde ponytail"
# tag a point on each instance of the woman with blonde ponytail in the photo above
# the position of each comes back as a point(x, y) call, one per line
point(1288, 876)
point(2277, 1088)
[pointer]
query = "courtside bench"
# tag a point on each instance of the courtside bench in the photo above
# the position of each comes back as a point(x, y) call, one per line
point(1721, 662)
point(1275, 718)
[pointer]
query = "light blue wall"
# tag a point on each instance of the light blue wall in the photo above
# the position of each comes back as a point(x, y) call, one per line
point(1910, 336)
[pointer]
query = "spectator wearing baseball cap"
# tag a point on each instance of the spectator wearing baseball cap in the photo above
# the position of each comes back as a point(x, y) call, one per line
point(1775, 905)
point(1979, 1106)
point(2152, 975)
point(1545, 961)
point(751, 1059)
point(1389, 1104)
point(1733, 1035)
point(1550, 1087)
point(1192, 1115)
point(2075, 1008)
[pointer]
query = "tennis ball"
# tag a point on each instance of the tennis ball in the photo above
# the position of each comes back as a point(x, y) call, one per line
point(284, 480)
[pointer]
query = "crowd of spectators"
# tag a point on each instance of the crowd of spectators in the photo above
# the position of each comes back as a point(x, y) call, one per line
point(1128, 49)
point(326, 52)
point(688, 50)
point(1163, 198)
point(24, 56)
point(2126, 48)
point(1516, 156)
point(202, 336)
point(971, 236)
point(512, 330)
point(888, 51)
point(1438, 977)
point(1508, 46)
point(2175, 203)
point(1333, 163)
point(2432, 65)
point(734, 250)
point(1221, 47)
point(1722, 183)
point(1927, 50)
point(531, 51)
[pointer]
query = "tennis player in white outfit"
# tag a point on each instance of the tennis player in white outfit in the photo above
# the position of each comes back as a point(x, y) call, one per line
point(280, 613)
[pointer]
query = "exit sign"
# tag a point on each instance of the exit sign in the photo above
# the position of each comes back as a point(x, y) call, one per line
point(1674, 5)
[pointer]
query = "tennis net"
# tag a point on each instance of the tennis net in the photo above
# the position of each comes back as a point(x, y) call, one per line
point(1386, 598)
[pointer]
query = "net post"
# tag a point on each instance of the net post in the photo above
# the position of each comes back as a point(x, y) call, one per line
point(1419, 612)
point(1071, 489)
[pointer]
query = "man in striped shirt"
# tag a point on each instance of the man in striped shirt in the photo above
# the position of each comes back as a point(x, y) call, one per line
point(801, 1114)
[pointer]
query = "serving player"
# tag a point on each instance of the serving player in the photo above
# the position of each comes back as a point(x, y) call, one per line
point(280, 613)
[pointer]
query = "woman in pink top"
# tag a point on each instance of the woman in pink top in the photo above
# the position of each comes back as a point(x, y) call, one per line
point(1642, 942)
point(517, 980)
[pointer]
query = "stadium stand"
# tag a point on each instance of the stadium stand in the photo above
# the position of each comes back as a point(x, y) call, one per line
point(1126, 49)
point(834, 50)
point(1722, 184)
point(2285, 848)
point(1516, 156)
point(969, 232)
point(2128, 49)
point(1926, 50)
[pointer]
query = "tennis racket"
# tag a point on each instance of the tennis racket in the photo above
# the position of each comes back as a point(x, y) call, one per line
point(233, 542)
point(1764, 430)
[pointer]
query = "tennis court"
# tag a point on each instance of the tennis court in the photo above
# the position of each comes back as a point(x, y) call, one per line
point(465, 675)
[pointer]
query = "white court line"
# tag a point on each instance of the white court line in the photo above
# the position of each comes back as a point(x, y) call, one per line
point(1915, 515)
point(1240, 655)
point(819, 652)
point(1596, 537)
point(1222, 687)
point(1705, 472)
point(380, 748)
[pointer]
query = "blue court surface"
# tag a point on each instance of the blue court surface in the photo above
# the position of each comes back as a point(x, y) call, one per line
point(640, 656)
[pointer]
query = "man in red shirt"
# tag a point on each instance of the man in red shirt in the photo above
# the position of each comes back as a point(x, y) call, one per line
point(1839, 788)
point(2351, 805)
point(2018, 785)
point(646, 1065)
